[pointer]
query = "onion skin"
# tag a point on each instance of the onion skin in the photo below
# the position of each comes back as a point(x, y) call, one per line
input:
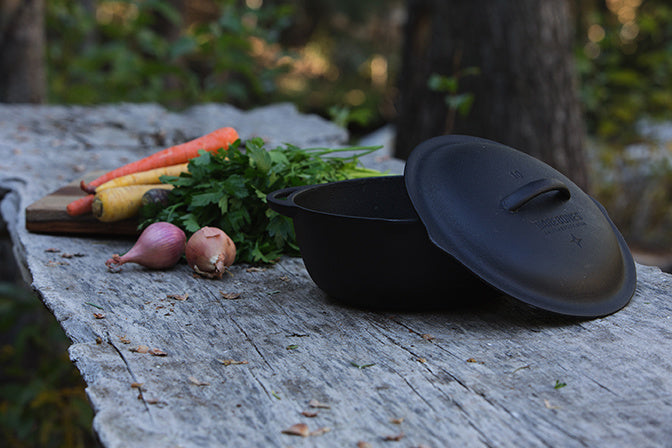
point(210, 252)
point(160, 246)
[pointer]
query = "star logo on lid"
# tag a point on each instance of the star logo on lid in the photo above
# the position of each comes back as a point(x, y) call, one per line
point(576, 240)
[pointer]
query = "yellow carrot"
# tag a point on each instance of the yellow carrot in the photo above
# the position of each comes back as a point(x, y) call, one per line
point(115, 204)
point(144, 177)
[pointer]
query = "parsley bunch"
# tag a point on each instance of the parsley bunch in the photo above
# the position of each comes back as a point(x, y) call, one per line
point(228, 189)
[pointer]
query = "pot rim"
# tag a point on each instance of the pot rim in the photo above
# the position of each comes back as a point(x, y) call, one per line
point(284, 201)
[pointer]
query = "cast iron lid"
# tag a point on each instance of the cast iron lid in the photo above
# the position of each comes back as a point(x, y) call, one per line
point(520, 225)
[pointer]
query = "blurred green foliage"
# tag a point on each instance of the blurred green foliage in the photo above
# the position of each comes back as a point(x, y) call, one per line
point(318, 54)
point(458, 103)
point(42, 399)
point(335, 58)
point(624, 57)
point(142, 51)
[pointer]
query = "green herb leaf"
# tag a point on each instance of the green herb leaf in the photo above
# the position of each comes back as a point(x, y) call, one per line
point(559, 385)
point(228, 190)
point(362, 366)
point(94, 305)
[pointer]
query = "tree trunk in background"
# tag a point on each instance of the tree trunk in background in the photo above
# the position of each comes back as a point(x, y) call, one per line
point(22, 52)
point(525, 95)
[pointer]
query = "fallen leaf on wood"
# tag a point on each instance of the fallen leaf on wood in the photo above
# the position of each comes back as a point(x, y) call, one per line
point(521, 368)
point(52, 250)
point(421, 359)
point(231, 362)
point(140, 349)
point(193, 380)
point(320, 431)
point(157, 352)
point(362, 444)
point(428, 337)
point(230, 295)
point(559, 384)
point(394, 438)
point(182, 297)
point(76, 254)
point(397, 421)
point(99, 315)
point(124, 340)
point(362, 366)
point(300, 429)
point(255, 269)
point(309, 414)
point(99, 340)
point(316, 404)
point(549, 405)
point(136, 385)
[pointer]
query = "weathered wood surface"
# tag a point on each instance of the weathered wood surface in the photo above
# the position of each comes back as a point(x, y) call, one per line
point(478, 376)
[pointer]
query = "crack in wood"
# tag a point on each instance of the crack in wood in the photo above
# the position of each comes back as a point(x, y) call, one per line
point(141, 395)
point(252, 343)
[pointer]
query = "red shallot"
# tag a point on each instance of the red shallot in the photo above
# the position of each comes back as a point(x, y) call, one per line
point(159, 246)
point(210, 252)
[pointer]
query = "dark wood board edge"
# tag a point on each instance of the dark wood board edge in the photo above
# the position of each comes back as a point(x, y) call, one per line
point(84, 227)
point(47, 215)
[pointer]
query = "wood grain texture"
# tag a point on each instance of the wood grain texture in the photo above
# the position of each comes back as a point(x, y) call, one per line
point(487, 375)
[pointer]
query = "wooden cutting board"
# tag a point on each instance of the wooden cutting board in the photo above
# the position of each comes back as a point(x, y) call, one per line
point(48, 215)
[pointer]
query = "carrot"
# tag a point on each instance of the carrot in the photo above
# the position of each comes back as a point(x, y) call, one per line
point(115, 204)
point(221, 138)
point(144, 177)
point(80, 206)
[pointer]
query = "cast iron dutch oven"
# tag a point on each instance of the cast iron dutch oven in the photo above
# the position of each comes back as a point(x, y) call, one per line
point(469, 218)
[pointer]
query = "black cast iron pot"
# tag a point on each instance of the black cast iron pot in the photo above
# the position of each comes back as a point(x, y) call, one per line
point(363, 243)
point(468, 217)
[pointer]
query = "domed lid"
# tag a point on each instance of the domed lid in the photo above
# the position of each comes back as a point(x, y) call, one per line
point(520, 225)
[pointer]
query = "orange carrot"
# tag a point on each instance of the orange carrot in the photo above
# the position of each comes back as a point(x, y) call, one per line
point(221, 138)
point(80, 206)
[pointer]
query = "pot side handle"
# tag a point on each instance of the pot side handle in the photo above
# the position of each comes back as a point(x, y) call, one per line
point(282, 202)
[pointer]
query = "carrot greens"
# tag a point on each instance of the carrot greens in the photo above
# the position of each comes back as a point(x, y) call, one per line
point(227, 189)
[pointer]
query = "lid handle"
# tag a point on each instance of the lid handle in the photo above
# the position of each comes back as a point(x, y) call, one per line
point(531, 190)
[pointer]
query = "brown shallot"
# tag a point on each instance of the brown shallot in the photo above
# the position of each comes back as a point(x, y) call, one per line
point(210, 252)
